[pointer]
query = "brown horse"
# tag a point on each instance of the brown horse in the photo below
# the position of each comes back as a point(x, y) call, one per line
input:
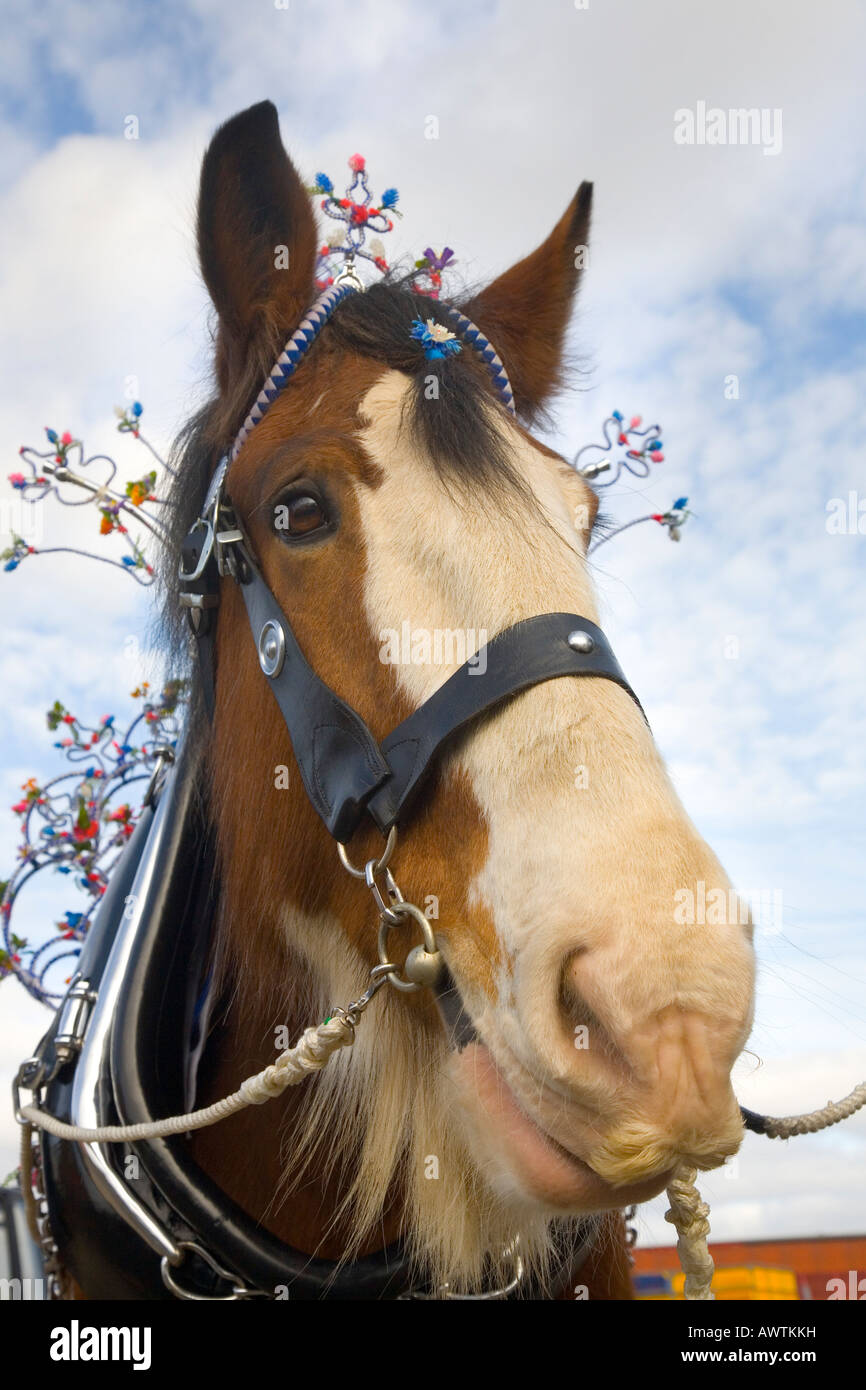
point(551, 846)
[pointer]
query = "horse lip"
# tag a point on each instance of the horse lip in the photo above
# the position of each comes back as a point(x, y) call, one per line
point(461, 1032)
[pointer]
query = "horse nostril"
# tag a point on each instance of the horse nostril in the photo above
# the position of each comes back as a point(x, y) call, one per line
point(586, 1031)
point(569, 996)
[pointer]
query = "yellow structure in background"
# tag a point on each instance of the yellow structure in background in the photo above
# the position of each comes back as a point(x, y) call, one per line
point(740, 1282)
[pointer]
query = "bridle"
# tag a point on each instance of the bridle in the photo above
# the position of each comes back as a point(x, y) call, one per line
point(346, 773)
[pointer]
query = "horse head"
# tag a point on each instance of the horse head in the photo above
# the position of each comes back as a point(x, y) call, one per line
point(402, 518)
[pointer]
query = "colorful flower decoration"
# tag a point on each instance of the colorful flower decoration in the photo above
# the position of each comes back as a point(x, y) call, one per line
point(129, 418)
point(359, 215)
point(640, 448)
point(437, 340)
point(674, 518)
point(430, 268)
point(342, 251)
point(73, 824)
point(63, 472)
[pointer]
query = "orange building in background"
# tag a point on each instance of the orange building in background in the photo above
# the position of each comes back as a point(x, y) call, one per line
point(825, 1267)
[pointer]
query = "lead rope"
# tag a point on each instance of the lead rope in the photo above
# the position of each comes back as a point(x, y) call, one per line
point(690, 1215)
point(313, 1051)
point(789, 1126)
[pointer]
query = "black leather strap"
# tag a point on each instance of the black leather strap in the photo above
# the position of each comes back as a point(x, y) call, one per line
point(339, 759)
point(753, 1120)
point(344, 770)
point(531, 651)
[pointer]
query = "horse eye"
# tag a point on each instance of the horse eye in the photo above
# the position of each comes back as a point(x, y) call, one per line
point(300, 515)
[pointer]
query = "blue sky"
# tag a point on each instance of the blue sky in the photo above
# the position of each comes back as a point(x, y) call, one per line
point(705, 262)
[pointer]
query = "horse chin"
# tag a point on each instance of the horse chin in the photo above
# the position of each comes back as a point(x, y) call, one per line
point(519, 1159)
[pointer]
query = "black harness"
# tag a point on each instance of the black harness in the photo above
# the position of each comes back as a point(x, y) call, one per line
point(161, 1228)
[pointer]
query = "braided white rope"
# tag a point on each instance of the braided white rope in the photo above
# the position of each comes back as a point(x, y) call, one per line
point(788, 1126)
point(689, 1214)
point(313, 1051)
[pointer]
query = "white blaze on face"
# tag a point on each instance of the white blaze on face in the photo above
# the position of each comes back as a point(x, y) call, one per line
point(586, 836)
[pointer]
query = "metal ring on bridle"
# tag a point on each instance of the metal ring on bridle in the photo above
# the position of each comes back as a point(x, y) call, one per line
point(430, 946)
point(238, 1289)
point(380, 863)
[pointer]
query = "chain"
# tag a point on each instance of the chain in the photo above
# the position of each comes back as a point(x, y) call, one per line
point(424, 966)
point(54, 1271)
point(33, 1077)
point(511, 1253)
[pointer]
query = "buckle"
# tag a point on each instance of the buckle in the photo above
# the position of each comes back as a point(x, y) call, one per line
point(31, 1076)
point(214, 533)
point(204, 554)
point(164, 756)
point(206, 521)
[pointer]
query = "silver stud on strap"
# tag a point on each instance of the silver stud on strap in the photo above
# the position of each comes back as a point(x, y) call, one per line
point(581, 641)
point(272, 648)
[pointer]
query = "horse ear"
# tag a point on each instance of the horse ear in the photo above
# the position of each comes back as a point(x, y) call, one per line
point(525, 312)
point(256, 241)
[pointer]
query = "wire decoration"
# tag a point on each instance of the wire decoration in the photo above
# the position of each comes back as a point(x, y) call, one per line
point(628, 448)
point(64, 473)
point(636, 458)
point(344, 247)
point(77, 824)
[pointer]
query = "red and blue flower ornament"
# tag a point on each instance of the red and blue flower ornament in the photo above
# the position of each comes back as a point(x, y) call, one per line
point(359, 215)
